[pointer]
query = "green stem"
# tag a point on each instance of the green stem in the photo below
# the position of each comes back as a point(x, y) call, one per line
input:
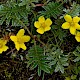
point(35, 45)
point(26, 28)
point(57, 44)
point(41, 42)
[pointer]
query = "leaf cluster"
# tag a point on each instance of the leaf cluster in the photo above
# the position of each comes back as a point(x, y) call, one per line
point(12, 12)
point(44, 59)
point(74, 10)
point(57, 59)
point(77, 54)
point(53, 9)
point(37, 59)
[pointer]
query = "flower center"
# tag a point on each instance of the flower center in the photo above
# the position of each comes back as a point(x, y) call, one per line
point(43, 25)
point(20, 40)
point(72, 24)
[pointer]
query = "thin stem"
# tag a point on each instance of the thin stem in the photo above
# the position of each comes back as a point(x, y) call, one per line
point(41, 42)
point(35, 45)
point(25, 27)
point(11, 51)
point(57, 44)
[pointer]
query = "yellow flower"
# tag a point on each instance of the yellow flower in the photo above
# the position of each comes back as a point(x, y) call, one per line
point(19, 39)
point(3, 46)
point(77, 36)
point(43, 25)
point(71, 24)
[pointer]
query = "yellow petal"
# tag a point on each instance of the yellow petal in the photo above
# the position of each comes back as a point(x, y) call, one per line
point(37, 24)
point(23, 46)
point(25, 38)
point(4, 48)
point(72, 30)
point(48, 22)
point(47, 28)
point(17, 46)
point(20, 32)
point(76, 19)
point(13, 38)
point(77, 26)
point(68, 18)
point(5, 42)
point(41, 19)
point(77, 36)
point(65, 25)
point(1, 51)
point(1, 41)
point(40, 30)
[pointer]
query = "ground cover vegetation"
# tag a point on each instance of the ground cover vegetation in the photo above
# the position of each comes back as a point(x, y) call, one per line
point(39, 39)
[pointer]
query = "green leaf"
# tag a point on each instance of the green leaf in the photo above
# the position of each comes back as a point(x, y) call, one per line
point(26, 2)
point(36, 58)
point(52, 62)
point(2, 20)
point(34, 66)
point(77, 59)
point(11, 12)
point(39, 71)
point(45, 68)
point(30, 62)
point(73, 76)
point(57, 68)
point(52, 9)
point(61, 68)
point(78, 48)
point(74, 10)
point(77, 54)
point(58, 60)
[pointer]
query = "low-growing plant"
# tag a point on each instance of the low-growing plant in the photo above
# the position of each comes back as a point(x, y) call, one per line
point(52, 32)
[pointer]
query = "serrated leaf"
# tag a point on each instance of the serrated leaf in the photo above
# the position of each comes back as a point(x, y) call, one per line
point(2, 20)
point(36, 53)
point(52, 9)
point(45, 68)
point(78, 48)
point(56, 68)
point(77, 59)
point(58, 60)
point(52, 63)
point(74, 10)
point(11, 12)
point(61, 68)
point(65, 64)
